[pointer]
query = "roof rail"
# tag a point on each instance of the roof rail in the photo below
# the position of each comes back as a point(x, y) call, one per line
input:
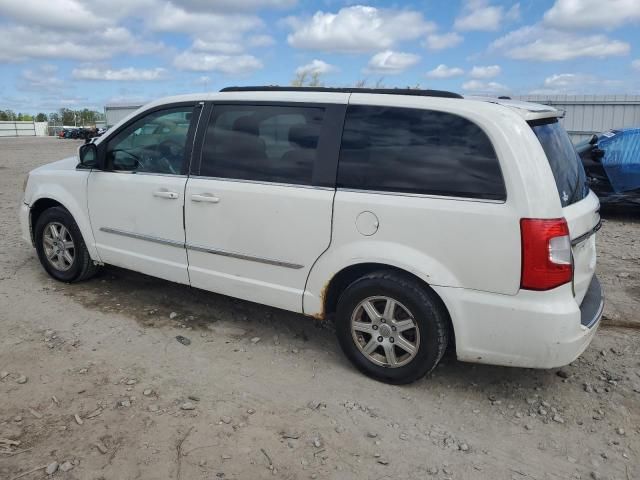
point(386, 91)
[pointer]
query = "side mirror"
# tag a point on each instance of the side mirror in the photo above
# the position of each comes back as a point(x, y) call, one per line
point(593, 140)
point(88, 154)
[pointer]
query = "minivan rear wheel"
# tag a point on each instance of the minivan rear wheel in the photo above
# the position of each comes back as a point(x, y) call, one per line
point(391, 327)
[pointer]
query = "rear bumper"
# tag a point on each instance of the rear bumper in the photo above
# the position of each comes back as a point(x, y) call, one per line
point(530, 329)
point(592, 305)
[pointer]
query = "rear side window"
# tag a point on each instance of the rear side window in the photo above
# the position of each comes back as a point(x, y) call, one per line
point(262, 143)
point(564, 161)
point(417, 151)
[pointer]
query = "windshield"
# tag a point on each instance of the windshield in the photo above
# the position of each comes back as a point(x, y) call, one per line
point(564, 161)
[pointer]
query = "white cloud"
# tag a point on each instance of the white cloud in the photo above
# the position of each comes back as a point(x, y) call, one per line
point(480, 15)
point(42, 78)
point(260, 41)
point(229, 5)
point(20, 43)
point(536, 42)
point(390, 62)
point(563, 80)
point(513, 14)
point(489, 71)
point(636, 64)
point(58, 14)
point(575, 83)
point(203, 80)
point(129, 74)
point(219, 26)
point(316, 67)
point(491, 88)
point(230, 48)
point(213, 32)
point(436, 41)
point(228, 64)
point(357, 29)
point(50, 101)
point(442, 71)
point(592, 13)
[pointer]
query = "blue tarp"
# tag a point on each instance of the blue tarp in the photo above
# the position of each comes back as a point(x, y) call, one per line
point(621, 159)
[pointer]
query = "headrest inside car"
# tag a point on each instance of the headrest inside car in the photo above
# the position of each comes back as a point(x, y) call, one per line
point(304, 136)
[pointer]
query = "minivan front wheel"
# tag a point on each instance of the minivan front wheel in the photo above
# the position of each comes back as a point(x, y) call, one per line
point(392, 327)
point(61, 248)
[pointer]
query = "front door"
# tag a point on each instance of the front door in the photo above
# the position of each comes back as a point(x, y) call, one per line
point(257, 211)
point(136, 203)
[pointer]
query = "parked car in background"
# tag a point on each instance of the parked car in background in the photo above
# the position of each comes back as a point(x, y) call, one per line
point(416, 219)
point(612, 163)
point(71, 133)
point(84, 133)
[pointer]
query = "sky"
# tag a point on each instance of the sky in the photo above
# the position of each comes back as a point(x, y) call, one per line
point(88, 53)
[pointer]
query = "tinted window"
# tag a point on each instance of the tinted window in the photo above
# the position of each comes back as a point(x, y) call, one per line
point(417, 151)
point(263, 143)
point(564, 161)
point(154, 143)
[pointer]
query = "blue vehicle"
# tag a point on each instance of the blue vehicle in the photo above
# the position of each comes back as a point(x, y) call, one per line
point(612, 163)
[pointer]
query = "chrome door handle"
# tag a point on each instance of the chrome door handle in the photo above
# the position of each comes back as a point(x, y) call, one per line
point(165, 194)
point(205, 197)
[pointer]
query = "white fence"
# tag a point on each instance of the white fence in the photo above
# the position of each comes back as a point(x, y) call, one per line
point(23, 129)
point(589, 114)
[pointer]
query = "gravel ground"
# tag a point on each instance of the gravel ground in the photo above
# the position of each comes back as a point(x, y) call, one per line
point(94, 384)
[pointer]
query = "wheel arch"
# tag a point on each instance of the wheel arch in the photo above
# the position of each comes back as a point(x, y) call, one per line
point(38, 207)
point(64, 200)
point(345, 277)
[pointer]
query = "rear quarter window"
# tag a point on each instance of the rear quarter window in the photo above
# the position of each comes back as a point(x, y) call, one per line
point(417, 151)
point(565, 163)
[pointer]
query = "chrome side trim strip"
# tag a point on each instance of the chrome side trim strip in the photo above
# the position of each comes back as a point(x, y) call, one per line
point(224, 253)
point(139, 236)
point(586, 235)
point(198, 248)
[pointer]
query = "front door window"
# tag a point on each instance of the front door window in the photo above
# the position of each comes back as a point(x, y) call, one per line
point(153, 144)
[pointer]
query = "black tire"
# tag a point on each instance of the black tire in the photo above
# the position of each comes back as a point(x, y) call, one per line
point(428, 313)
point(82, 267)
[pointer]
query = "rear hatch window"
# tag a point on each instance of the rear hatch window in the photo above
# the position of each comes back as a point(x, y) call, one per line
point(564, 161)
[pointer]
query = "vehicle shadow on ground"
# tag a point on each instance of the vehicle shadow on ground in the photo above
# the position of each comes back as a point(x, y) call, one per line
point(156, 303)
point(623, 213)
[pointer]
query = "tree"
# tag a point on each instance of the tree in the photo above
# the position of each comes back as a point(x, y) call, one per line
point(315, 81)
point(300, 79)
point(303, 79)
point(54, 118)
point(67, 116)
point(64, 116)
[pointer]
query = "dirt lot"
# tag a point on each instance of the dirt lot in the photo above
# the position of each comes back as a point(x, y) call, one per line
point(92, 377)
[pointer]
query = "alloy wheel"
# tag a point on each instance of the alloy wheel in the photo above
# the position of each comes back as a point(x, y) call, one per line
point(59, 247)
point(385, 331)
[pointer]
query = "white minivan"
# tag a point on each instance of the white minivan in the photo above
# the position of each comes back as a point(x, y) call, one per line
point(415, 219)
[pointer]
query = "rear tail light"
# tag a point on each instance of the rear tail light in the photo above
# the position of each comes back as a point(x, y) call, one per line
point(546, 253)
